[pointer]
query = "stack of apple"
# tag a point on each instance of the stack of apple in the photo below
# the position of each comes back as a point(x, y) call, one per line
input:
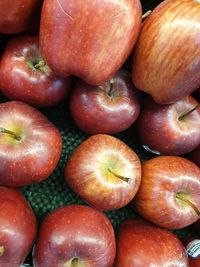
point(79, 52)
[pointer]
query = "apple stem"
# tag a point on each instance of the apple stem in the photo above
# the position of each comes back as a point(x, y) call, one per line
point(125, 179)
point(5, 131)
point(2, 250)
point(146, 14)
point(180, 197)
point(40, 64)
point(181, 117)
point(111, 87)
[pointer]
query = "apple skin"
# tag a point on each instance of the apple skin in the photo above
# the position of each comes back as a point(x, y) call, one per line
point(166, 61)
point(164, 180)
point(140, 244)
point(115, 103)
point(161, 128)
point(90, 39)
point(17, 227)
point(195, 156)
point(34, 157)
point(96, 169)
point(21, 80)
point(194, 262)
point(75, 232)
point(17, 16)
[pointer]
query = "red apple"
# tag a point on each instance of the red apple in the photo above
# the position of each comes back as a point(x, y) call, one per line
point(104, 172)
point(195, 156)
point(172, 129)
point(17, 228)
point(26, 77)
point(166, 61)
point(108, 108)
point(88, 39)
point(17, 16)
point(75, 236)
point(30, 145)
point(194, 262)
point(169, 192)
point(140, 244)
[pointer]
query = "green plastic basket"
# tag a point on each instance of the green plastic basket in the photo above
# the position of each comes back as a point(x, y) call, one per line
point(54, 192)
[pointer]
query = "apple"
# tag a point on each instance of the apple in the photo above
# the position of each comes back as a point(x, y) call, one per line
point(194, 262)
point(17, 228)
point(30, 145)
point(75, 235)
point(141, 244)
point(88, 39)
point(195, 156)
point(172, 129)
point(169, 192)
point(167, 55)
point(17, 16)
point(108, 108)
point(26, 77)
point(104, 172)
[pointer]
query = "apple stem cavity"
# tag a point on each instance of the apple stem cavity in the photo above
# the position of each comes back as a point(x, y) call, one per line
point(146, 14)
point(2, 250)
point(181, 117)
point(40, 64)
point(125, 179)
point(5, 131)
point(188, 202)
point(75, 262)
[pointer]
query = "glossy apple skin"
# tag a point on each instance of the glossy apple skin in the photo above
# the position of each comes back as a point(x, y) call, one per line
point(166, 62)
point(163, 178)
point(161, 128)
point(140, 244)
point(20, 80)
point(91, 169)
point(108, 108)
point(17, 16)
point(77, 232)
point(34, 157)
point(89, 39)
point(17, 227)
point(195, 156)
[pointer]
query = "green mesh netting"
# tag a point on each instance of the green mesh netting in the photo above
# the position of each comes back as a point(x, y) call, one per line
point(54, 192)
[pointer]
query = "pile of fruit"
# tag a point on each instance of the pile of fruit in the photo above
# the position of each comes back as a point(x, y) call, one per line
point(99, 133)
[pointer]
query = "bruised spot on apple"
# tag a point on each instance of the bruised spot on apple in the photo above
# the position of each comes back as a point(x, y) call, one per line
point(172, 129)
point(75, 236)
point(89, 39)
point(109, 108)
point(30, 145)
point(26, 77)
point(169, 192)
point(104, 172)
